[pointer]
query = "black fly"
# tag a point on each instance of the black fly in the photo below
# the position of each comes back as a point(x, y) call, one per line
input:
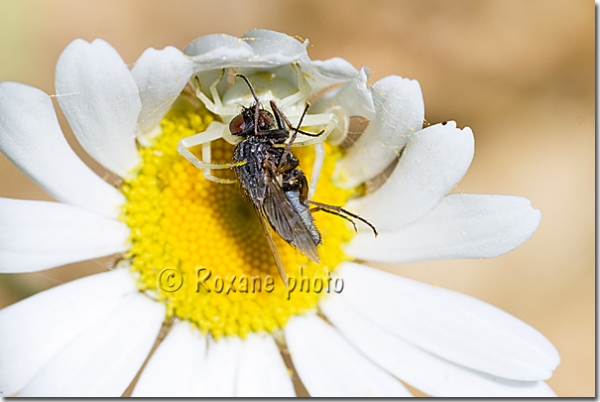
point(270, 178)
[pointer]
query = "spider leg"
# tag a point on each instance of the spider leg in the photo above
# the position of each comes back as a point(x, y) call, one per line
point(291, 100)
point(316, 170)
point(204, 139)
point(215, 105)
point(328, 121)
point(213, 90)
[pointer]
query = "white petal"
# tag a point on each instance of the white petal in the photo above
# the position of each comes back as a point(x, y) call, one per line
point(262, 372)
point(38, 235)
point(336, 69)
point(274, 47)
point(103, 360)
point(160, 76)
point(434, 161)
point(177, 368)
point(329, 367)
point(353, 97)
point(321, 74)
point(265, 49)
point(222, 361)
point(218, 51)
point(31, 138)
point(38, 328)
point(257, 48)
point(101, 102)
point(460, 226)
point(424, 371)
point(451, 325)
point(399, 112)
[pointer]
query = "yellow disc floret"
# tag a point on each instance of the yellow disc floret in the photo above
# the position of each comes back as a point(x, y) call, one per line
point(198, 245)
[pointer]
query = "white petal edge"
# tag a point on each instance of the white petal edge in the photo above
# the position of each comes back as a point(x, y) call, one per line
point(32, 140)
point(330, 367)
point(262, 372)
point(276, 47)
point(222, 359)
point(399, 112)
point(100, 100)
point(39, 327)
point(178, 368)
point(460, 226)
point(424, 371)
point(160, 76)
point(38, 235)
point(451, 325)
point(217, 51)
point(433, 162)
point(103, 360)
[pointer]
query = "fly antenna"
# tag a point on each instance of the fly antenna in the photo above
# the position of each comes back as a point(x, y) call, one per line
point(256, 104)
point(249, 86)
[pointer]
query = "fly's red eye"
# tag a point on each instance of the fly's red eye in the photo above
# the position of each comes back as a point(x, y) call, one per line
point(237, 125)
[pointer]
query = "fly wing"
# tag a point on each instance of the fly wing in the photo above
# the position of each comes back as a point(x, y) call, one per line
point(273, 247)
point(287, 221)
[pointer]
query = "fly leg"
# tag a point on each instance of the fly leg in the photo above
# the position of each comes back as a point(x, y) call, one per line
point(280, 116)
point(319, 147)
point(335, 210)
point(317, 209)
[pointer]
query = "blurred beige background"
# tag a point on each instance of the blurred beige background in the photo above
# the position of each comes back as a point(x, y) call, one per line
point(519, 73)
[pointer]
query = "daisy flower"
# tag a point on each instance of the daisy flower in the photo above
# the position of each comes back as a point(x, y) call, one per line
point(196, 263)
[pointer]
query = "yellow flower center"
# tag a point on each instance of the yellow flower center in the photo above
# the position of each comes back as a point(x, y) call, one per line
point(199, 247)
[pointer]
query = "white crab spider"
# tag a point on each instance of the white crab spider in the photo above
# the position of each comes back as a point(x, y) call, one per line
point(229, 107)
